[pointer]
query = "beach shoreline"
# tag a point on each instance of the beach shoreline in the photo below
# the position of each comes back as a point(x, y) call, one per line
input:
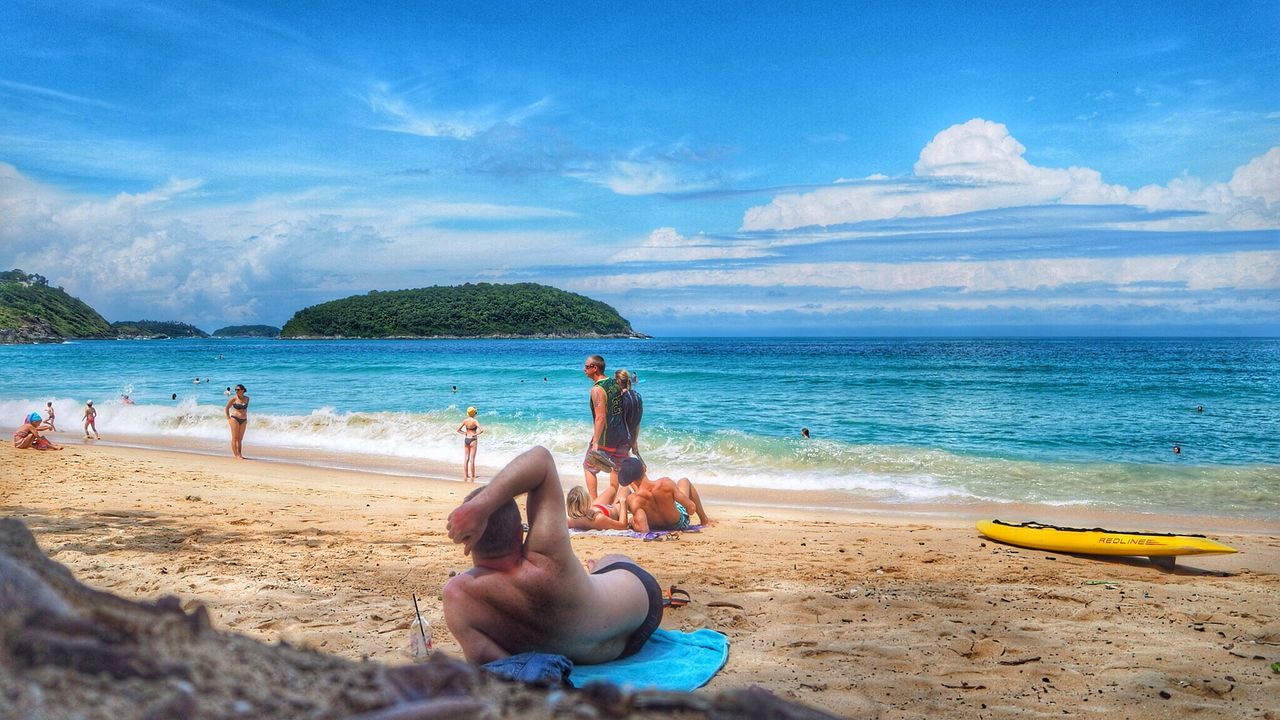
point(861, 611)
point(852, 506)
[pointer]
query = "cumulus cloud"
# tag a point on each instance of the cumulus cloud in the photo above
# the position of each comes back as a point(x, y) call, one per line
point(152, 254)
point(979, 165)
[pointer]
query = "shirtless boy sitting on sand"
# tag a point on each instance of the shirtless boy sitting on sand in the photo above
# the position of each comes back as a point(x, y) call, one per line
point(531, 593)
point(661, 504)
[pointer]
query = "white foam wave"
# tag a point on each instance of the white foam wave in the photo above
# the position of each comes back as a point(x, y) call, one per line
point(883, 473)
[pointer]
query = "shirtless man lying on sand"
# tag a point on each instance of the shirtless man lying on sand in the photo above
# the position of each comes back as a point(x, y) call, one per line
point(530, 592)
point(661, 504)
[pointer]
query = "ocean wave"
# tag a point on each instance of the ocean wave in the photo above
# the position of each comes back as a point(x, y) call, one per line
point(878, 472)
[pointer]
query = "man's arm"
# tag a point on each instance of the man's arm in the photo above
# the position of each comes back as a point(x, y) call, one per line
point(639, 520)
point(461, 610)
point(533, 472)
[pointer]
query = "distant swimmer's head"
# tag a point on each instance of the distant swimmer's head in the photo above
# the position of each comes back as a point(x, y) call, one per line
point(578, 503)
point(34, 418)
point(471, 412)
point(631, 470)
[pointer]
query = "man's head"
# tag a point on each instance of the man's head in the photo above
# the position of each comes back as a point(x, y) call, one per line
point(502, 533)
point(631, 470)
point(593, 365)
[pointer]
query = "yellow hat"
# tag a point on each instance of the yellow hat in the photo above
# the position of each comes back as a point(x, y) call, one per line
point(471, 411)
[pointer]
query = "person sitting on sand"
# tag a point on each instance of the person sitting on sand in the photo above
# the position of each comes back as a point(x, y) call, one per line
point(28, 436)
point(661, 504)
point(604, 514)
point(528, 591)
point(90, 420)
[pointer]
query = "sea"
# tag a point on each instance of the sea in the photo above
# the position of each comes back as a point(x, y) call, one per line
point(949, 422)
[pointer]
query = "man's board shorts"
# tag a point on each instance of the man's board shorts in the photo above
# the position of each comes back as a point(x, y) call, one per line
point(684, 517)
point(651, 622)
point(615, 455)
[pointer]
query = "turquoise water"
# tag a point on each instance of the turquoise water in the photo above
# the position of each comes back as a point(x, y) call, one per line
point(1069, 421)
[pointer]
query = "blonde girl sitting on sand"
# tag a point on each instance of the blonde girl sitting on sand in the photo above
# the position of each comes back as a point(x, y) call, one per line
point(603, 515)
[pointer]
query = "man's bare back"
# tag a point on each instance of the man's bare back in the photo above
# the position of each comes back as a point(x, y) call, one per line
point(535, 595)
point(662, 504)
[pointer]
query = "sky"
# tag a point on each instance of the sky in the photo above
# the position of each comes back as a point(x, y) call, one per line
point(750, 168)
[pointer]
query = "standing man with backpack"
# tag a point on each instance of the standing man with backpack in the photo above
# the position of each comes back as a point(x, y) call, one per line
point(610, 440)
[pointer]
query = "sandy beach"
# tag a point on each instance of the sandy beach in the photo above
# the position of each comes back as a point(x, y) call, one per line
point(865, 612)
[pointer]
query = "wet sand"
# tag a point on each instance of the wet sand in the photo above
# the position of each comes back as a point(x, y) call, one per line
point(896, 612)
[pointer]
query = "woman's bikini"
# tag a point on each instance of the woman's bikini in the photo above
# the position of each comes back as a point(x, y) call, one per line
point(605, 509)
point(241, 407)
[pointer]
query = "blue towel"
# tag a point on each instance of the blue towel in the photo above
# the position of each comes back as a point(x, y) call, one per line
point(671, 660)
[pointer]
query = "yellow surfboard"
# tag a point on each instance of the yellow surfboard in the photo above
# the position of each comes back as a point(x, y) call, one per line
point(1097, 541)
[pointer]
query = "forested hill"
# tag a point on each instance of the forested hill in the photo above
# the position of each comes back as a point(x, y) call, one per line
point(255, 331)
point(31, 311)
point(157, 329)
point(471, 310)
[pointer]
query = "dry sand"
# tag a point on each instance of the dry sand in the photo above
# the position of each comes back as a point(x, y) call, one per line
point(863, 613)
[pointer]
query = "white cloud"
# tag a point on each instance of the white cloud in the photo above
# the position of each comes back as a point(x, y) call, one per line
point(1260, 178)
point(667, 245)
point(151, 253)
point(1258, 270)
point(978, 165)
point(457, 124)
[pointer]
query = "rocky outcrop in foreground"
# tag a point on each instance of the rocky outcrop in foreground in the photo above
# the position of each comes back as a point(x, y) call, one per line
point(69, 651)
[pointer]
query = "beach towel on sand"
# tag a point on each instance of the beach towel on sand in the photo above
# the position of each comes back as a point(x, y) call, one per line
point(671, 660)
point(651, 535)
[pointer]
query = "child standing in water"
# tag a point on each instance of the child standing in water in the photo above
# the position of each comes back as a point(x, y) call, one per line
point(470, 429)
point(90, 420)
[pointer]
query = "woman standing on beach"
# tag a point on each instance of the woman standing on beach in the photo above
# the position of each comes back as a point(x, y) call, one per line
point(237, 410)
point(470, 429)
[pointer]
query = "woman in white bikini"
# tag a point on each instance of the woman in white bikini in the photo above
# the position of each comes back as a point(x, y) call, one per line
point(470, 430)
point(237, 410)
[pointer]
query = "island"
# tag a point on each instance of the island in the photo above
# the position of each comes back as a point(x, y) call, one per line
point(519, 310)
point(156, 330)
point(247, 331)
point(33, 312)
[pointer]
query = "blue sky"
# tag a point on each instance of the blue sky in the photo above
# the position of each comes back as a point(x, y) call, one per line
point(750, 168)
